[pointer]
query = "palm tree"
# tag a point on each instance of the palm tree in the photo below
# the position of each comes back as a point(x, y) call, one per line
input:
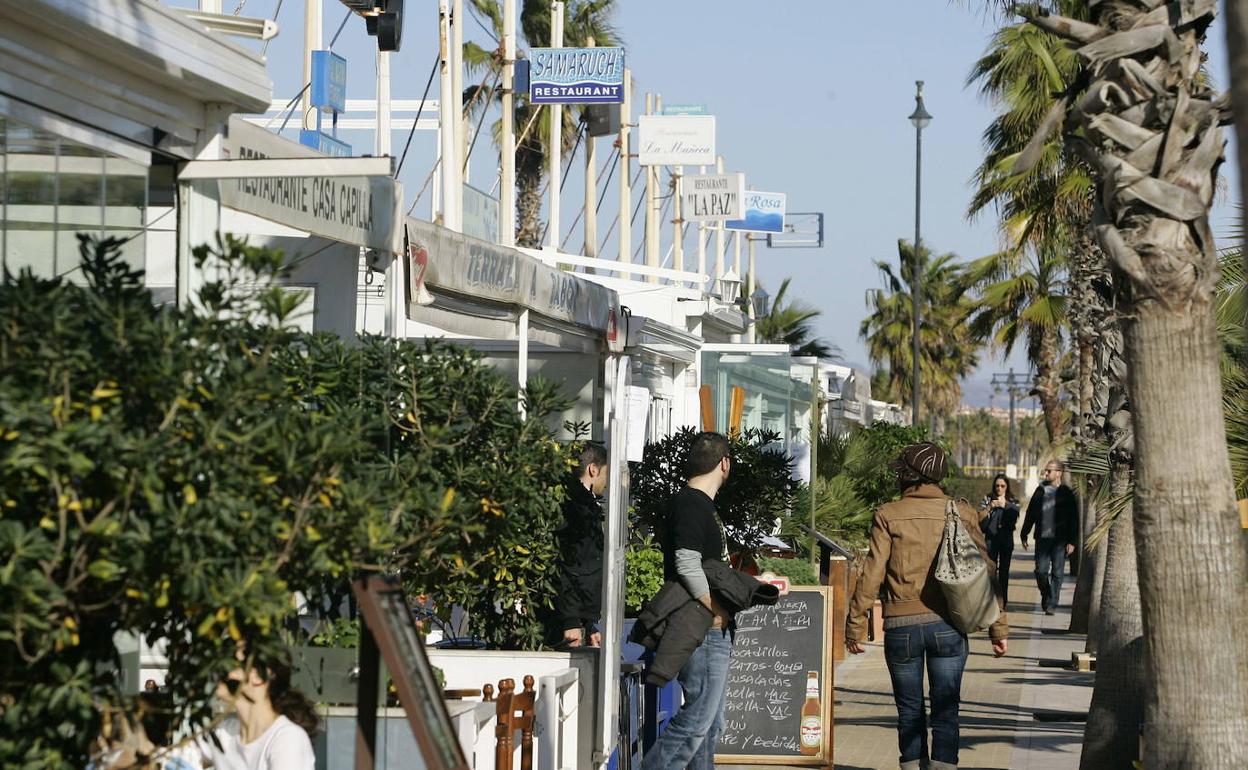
point(789, 324)
point(584, 20)
point(1146, 120)
point(1024, 301)
point(946, 348)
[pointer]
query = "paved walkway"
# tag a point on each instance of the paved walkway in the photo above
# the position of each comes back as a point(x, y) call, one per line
point(999, 695)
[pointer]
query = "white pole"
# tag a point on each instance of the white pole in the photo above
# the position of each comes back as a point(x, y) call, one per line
point(446, 119)
point(626, 177)
point(555, 148)
point(750, 283)
point(522, 355)
point(311, 42)
point(457, 94)
point(701, 239)
point(381, 147)
point(507, 193)
point(736, 253)
point(719, 230)
point(651, 221)
point(211, 6)
point(678, 232)
point(591, 189)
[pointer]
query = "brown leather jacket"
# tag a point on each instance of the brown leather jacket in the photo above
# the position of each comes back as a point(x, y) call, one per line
point(905, 537)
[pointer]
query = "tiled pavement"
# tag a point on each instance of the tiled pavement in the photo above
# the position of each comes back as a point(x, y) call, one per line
point(999, 695)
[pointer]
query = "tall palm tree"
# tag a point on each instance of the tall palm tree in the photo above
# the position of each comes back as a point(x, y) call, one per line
point(789, 324)
point(946, 349)
point(1146, 120)
point(584, 20)
point(1024, 301)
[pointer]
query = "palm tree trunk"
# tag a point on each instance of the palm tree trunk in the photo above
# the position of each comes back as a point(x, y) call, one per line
point(1048, 384)
point(1237, 48)
point(1110, 740)
point(529, 199)
point(1192, 563)
point(1085, 606)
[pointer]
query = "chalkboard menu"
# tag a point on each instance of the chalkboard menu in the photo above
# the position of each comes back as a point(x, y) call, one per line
point(779, 702)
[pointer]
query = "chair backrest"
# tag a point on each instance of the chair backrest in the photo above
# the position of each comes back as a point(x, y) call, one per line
point(514, 712)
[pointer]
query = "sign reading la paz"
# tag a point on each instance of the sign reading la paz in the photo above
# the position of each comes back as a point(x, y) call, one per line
point(712, 197)
point(576, 76)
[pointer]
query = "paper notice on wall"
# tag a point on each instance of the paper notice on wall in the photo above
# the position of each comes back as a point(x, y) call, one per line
point(638, 414)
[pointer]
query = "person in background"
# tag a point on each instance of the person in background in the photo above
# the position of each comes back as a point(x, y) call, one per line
point(578, 604)
point(998, 517)
point(905, 537)
point(693, 534)
point(1054, 513)
point(272, 726)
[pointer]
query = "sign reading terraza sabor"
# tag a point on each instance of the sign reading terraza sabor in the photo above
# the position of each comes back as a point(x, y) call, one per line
point(676, 140)
point(712, 197)
point(576, 75)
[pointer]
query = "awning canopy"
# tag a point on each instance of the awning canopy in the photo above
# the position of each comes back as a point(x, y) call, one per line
point(452, 275)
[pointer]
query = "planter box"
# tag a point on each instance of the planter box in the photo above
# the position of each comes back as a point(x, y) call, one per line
point(396, 748)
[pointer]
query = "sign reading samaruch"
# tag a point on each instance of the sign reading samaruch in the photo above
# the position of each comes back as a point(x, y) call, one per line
point(676, 140)
point(576, 75)
point(712, 197)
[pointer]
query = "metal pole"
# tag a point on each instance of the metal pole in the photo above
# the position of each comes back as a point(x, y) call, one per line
point(720, 249)
point(701, 240)
point(816, 430)
point(750, 283)
point(381, 147)
point(311, 42)
point(626, 188)
point(1013, 434)
point(446, 120)
point(591, 188)
point(916, 289)
point(555, 148)
point(507, 193)
point(678, 222)
point(651, 221)
point(736, 253)
point(457, 94)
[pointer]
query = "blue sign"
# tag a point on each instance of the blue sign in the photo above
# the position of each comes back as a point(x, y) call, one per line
point(683, 109)
point(576, 76)
point(329, 82)
point(764, 213)
point(324, 143)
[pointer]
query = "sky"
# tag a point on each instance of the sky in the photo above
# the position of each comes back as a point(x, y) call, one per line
point(811, 98)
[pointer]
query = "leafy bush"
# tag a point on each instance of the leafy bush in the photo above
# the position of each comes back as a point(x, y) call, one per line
point(176, 474)
point(759, 490)
point(800, 572)
point(643, 572)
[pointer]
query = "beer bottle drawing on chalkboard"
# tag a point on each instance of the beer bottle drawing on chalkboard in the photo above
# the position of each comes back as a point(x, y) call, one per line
point(812, 717)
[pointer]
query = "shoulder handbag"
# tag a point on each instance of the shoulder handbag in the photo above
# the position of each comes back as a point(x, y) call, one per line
point(963, 576)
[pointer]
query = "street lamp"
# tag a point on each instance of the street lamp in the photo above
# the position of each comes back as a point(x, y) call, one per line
point(762, 302)
point(920, 118)
point(730, 287)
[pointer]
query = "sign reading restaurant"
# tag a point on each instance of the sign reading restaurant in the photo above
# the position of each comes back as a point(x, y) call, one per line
point(576, 75)
point(712, 197)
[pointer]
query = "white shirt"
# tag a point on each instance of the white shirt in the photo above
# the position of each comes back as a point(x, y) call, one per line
point(284, 746)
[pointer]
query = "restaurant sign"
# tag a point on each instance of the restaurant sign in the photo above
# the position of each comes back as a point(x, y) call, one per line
point(676, 140)
point(764, 213)
point(576, 75)
point(712, 197)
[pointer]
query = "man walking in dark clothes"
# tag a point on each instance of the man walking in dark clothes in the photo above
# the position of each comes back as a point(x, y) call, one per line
point(693, 534)
point(578, 605)
point(1054, 513)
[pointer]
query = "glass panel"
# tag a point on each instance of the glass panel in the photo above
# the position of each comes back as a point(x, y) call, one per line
point(30, 199)
point(764, 378)
point(125, 201)
point(80, 204)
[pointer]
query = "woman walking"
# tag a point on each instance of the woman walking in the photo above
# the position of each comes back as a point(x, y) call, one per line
point(998, 516)
point(905, 537)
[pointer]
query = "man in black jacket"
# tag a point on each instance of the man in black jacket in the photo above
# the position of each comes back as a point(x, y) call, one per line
point(578, 605)
point(692, 533)
point(1054, 512)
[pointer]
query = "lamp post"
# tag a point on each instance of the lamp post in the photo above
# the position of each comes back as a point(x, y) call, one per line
point(920, 118)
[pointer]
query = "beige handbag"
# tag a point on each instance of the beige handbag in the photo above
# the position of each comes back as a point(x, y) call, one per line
point(963, 576)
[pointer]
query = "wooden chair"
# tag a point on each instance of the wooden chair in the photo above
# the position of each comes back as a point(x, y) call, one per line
point(515, 712)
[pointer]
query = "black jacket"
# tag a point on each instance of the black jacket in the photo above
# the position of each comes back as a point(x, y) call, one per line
point(998, 524)
point(1065, 513)
point(579, 600)
point(674, 623)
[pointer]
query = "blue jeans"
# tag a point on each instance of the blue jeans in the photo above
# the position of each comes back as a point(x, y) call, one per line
point(691, 735)
point(1050, 567)
point(944, 648)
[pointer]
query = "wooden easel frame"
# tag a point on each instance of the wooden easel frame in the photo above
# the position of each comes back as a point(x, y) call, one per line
point(824, 758)
point(388, 632)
